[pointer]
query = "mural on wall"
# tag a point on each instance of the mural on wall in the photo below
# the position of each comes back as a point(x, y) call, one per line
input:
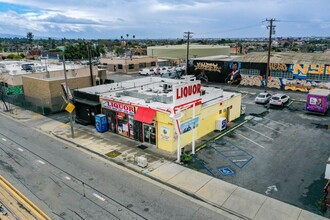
point(296, 77)
point(300, 71)
point(234, 77)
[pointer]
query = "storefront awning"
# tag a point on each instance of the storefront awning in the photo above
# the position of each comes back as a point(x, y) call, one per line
point(145, 115)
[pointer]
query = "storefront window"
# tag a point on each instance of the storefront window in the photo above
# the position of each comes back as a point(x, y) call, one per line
point(122, 127)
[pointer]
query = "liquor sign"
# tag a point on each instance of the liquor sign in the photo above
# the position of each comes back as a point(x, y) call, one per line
point(119, 107)
point(187, 92)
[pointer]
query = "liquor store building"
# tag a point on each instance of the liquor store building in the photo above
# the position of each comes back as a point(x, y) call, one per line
point(155, 110)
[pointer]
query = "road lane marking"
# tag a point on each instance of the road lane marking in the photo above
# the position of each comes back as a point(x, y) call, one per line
point(270, 128)
point(259, 133)
point(40, 161)
point(20, 149)
point(4, 139)
point(68, 178)
point(99, 197)
point(250, 140)
point(277, 122)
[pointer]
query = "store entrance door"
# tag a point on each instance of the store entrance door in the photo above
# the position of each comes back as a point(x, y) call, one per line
point(149, 134)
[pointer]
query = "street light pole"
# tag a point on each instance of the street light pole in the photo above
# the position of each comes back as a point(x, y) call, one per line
point(67, 94)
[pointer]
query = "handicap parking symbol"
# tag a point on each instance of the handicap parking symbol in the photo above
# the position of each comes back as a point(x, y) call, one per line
point(225, 171)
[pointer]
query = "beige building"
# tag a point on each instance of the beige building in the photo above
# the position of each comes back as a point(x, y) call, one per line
point(180, 51)
point(128, 65)
point(46, 91)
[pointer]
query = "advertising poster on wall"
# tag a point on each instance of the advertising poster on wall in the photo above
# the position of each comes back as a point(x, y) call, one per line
point(189, 125)
point(165, 133)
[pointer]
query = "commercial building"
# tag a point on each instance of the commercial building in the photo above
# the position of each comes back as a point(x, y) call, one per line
point(288, 70)
point(164, 113)
point(128, 64)
point(180, 51)
point(38, 86)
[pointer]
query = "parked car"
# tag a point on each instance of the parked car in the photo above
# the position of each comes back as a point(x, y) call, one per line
point(263, 98)
point(164, 69)
point(171, 73)
point(147, 71)
point(279, 99)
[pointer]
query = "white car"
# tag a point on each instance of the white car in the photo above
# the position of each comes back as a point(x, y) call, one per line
point(263, 98)
point(279, 99)
point(147, 71)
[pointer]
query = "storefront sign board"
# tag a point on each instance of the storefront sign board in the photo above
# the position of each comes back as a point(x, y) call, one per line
point(119, 107)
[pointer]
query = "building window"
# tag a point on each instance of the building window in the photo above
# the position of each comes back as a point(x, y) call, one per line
point(130, 66)
point(153, 63)
point(142, 65)
point(120, 66)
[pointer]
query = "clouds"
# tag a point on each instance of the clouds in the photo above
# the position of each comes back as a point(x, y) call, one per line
point(163, 18)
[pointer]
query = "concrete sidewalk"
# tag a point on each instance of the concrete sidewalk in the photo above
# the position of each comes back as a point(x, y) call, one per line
point(238, 202)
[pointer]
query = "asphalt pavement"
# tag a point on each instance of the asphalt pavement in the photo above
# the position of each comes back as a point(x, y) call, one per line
point(235, 201)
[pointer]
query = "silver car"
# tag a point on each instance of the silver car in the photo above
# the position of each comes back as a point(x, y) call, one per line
point(279, 99)
point(263, 98)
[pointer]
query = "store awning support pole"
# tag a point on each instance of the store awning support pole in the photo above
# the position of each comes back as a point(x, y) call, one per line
point(194, 131)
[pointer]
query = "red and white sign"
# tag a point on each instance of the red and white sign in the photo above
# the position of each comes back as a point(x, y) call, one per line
point(119, 107)
point(187, 92)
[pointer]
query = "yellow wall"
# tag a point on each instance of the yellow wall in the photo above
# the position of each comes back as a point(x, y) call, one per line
point(207, 120)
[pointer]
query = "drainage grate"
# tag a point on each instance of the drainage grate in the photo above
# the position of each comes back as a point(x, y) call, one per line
point(113, 154)
point(142, 147)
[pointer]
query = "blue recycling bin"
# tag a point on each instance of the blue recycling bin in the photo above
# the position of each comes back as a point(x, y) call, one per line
point(101, 123)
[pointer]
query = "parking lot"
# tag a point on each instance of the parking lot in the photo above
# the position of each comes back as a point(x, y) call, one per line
point(282, 153)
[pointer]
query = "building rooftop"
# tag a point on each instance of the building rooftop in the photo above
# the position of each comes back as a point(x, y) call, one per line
point(15, 67)
point(191, 46)
point(154, 92)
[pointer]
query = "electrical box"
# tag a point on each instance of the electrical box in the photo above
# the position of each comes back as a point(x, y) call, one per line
point(142, 162)
point(221, 124)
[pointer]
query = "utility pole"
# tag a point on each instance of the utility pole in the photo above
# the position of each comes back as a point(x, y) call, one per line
point(187, 35)
point(67, 96)
point(90, 61)
point(271, 31)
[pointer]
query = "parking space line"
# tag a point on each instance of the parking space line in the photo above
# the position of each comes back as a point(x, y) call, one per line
point(99, 197)
point(258, 133)
point(269, 127)
point(289, 104)
point(249, 140)
point(276, 122)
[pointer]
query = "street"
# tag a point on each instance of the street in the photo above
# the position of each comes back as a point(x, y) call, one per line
point(70, 184)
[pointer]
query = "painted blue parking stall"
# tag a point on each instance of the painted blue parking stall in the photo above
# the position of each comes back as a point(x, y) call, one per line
point(203, 165)
point(225, 171)
point(232, 152)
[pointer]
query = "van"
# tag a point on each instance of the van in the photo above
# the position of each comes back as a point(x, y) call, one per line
point(318, 101)
point(147, 71)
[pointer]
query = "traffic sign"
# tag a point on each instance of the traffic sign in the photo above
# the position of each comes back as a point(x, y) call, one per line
point(70, 107)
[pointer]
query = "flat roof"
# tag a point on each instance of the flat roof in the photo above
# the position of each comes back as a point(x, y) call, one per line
point(15, 67)
point(149, 92)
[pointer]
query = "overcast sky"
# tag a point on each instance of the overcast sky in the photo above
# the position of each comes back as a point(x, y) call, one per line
point(161, 19)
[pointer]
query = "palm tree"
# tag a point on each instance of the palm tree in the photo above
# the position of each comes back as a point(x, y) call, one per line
point(127, 35)
point(29, 36)
point(133, 36)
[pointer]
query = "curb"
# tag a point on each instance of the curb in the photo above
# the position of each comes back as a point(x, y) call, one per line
point(28, 204)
